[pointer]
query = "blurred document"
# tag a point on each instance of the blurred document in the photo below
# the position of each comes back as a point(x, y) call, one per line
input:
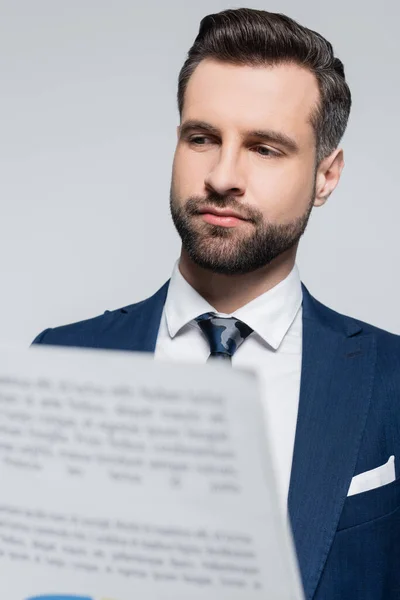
point(125, 478)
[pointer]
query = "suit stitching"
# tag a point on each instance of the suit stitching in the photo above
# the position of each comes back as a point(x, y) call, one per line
point(376, 519)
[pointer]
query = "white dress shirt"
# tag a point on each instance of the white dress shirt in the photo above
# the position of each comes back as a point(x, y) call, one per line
point(274, 350)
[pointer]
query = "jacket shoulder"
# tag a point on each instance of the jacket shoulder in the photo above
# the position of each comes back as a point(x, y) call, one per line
point(64, 334)
point(91, 332)
point(341, 322)
point(387, 348)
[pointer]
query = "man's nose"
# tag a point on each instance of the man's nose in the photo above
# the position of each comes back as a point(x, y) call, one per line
point(226, 176)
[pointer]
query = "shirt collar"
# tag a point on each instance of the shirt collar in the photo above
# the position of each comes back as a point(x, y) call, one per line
point(269, 315)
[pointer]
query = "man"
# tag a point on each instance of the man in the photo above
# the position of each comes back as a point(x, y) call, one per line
point(264, 104)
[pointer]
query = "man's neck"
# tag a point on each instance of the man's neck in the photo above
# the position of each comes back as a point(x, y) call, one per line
point(227, 293)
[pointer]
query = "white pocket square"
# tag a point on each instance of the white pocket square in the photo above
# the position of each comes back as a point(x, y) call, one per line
point(373, 479)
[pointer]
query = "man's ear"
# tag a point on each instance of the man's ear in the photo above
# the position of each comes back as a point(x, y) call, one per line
point(328, 175)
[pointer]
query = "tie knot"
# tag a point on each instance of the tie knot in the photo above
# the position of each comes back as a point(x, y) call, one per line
point(224, 334)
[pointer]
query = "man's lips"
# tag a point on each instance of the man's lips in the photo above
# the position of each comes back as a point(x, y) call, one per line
point(223, 217)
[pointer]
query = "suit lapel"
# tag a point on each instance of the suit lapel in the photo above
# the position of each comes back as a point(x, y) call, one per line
point(146, 321)
point(336, 383)
point(136, 327)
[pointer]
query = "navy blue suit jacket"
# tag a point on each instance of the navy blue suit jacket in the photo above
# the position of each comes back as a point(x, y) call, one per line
point(348, 422)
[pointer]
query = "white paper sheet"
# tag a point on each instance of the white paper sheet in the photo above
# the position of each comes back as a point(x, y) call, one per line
point(125, 478)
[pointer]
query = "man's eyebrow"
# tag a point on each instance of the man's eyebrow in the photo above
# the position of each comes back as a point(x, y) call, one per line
point(195, 124)
point(275, 137)
point(266, 135)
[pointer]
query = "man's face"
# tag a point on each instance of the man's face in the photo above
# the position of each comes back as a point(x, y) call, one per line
point(243, 181)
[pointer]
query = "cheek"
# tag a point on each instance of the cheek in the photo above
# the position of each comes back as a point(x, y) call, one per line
point(189, 171)
point(284, 194)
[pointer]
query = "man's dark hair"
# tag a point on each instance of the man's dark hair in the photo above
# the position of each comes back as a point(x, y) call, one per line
point(246, 36)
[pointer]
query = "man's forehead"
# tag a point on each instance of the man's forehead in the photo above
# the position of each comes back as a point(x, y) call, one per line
point(282, 94)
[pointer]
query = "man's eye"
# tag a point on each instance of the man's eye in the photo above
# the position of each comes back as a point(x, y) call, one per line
point(199, 140)
point(266, 152)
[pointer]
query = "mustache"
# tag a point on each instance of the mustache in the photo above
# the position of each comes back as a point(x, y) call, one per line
point(195, 203)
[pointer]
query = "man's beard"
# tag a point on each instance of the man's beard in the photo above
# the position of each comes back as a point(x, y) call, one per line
point(233, 250)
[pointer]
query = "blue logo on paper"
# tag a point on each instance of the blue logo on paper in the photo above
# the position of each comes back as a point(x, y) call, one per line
point(58, 597)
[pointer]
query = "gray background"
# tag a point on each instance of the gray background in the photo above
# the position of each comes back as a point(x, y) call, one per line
point(87, 133)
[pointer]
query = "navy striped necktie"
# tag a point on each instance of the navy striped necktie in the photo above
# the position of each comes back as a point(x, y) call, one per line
point(224, 334)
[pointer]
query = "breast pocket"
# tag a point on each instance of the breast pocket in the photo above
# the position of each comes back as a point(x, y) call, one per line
point(368, 506)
